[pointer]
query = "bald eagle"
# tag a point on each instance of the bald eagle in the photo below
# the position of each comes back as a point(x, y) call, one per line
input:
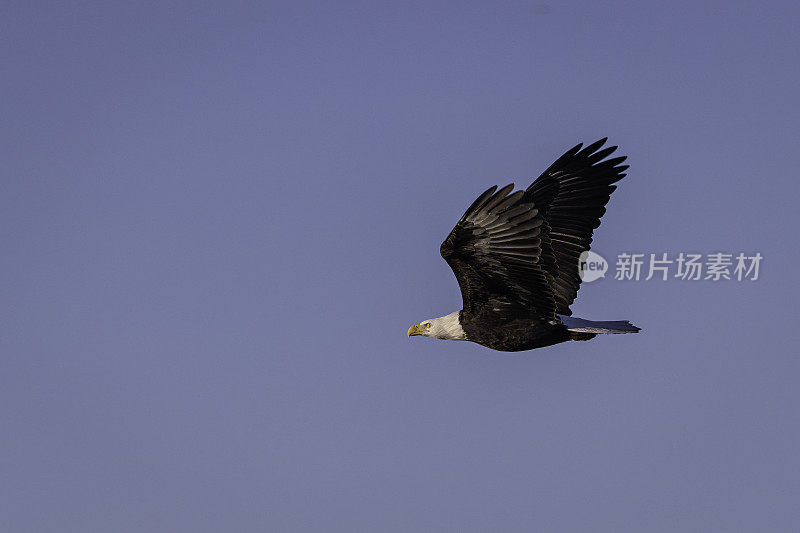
point(516, 257)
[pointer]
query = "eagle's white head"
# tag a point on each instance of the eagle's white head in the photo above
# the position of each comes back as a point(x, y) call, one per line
point(446, 327)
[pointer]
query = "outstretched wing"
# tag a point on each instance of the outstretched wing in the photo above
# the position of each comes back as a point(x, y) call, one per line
point(499, 252)
point(573, 208)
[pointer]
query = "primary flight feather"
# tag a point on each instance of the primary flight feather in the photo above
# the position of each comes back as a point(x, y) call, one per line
point(516, 257)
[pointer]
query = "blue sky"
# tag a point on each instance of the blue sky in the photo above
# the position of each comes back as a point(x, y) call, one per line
point(219, 220)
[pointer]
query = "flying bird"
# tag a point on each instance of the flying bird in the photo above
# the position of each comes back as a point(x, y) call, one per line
point(516, 257)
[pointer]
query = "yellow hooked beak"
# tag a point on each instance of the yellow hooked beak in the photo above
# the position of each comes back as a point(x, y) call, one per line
point(418, 329)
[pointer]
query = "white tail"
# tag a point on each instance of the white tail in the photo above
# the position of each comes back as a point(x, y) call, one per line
point(581, 325)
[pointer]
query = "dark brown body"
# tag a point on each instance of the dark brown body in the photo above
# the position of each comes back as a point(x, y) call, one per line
point(516, 335)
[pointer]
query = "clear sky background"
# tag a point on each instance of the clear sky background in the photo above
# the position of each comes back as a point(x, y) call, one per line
point(218, 221)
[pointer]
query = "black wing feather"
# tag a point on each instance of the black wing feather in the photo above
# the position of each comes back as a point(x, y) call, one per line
point(516, 254)
point(584, 182)
point(496, 252)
